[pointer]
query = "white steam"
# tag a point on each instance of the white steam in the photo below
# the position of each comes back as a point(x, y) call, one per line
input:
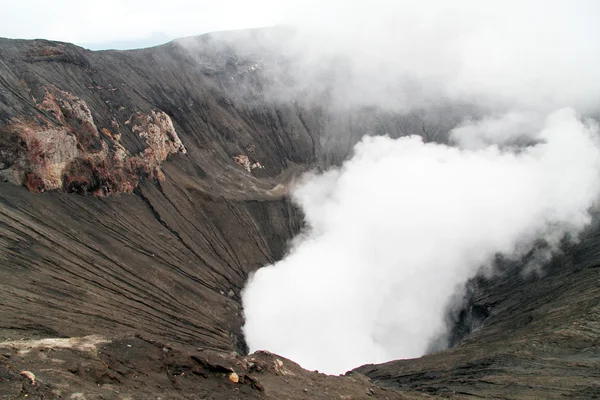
point(401, 225)
point(532, 53)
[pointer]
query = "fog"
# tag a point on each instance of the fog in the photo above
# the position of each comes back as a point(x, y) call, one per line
point(402, 225)
point(512, 53)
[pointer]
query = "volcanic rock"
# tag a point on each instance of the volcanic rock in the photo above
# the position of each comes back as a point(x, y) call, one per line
point(141, 188)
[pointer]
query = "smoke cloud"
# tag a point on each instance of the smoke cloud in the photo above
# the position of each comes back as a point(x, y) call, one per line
point(397, 54)
point(401, 225)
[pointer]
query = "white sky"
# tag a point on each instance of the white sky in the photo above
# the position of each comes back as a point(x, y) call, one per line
point(125, 20)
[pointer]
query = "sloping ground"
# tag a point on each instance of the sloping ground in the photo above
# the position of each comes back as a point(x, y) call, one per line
point(140, 190)
point(540, 341)
point(74, 265)
point(160, 180)
point(135, 368)
point(137, 242)
point(142, 187)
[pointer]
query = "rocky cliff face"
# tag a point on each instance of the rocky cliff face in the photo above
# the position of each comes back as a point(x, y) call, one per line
point(64, 149)
point(141, 188)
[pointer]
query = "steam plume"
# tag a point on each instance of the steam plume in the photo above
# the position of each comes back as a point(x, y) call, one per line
point(394, 231)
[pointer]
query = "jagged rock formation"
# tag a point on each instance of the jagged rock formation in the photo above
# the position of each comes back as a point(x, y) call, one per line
point(65, 151)
point(140, 189)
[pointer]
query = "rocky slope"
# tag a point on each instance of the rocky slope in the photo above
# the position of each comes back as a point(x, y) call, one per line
point(539, 340)
point(140, 189)
point(116, 238)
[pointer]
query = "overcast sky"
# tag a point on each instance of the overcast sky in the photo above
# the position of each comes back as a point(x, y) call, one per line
point(109, 21)
point(143, 21)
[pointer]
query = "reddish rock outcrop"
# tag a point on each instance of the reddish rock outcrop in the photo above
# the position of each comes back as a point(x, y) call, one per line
point(62, 148)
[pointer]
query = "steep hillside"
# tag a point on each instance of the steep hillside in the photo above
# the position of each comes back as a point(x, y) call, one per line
point(160, 180)
point(107, 235)
point(538, 339)
point(141, 188)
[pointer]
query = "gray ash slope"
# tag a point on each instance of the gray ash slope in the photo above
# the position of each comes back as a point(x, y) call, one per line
point(174, 189)
point(535, 336)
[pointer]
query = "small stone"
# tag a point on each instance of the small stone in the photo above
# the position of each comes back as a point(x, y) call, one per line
point(233, 377)
point(29, 375)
